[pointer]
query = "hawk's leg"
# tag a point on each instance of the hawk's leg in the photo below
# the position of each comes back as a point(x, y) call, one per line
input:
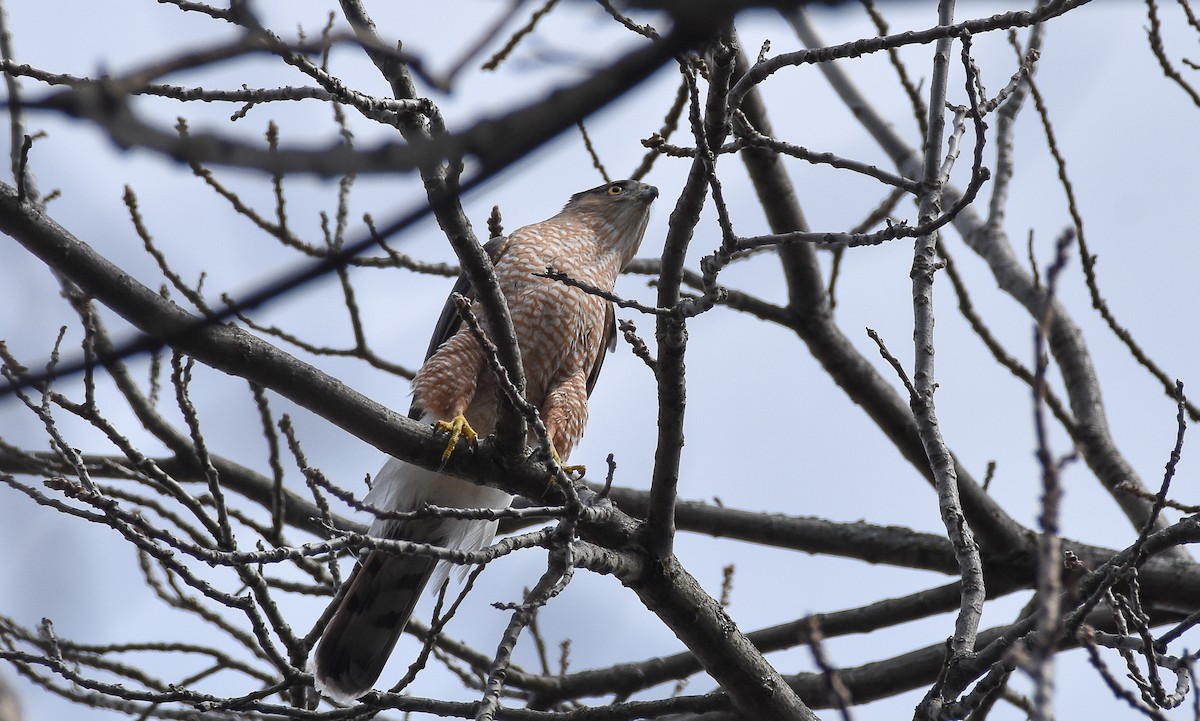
point(458, 427)
point(569, 470)
point(565, 413)
point(445, 386)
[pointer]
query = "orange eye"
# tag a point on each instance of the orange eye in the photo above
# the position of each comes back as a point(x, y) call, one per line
point(615, 190)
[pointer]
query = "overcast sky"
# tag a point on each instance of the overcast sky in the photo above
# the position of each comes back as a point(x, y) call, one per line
point(766, 428)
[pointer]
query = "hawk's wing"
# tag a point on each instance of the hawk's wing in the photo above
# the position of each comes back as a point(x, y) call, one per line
point(450, 321)
point(609, 345)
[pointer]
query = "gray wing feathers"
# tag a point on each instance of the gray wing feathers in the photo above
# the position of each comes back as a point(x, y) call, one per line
point(449, 321)
point(610, 345)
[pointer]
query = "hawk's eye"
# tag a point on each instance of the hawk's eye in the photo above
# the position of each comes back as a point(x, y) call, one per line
point(615, 190)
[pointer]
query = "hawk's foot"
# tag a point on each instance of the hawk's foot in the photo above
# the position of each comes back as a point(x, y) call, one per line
point(458, 427)
point(569, 470)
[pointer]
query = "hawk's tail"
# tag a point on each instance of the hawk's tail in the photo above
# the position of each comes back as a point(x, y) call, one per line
point(368, 622)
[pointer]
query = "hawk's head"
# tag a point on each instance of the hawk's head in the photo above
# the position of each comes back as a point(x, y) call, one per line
point(617, 194)
point(623, 209)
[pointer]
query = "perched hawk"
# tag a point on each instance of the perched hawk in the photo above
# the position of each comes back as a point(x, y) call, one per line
point(562, 333)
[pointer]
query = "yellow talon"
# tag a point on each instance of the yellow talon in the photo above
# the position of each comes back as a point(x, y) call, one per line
point(458, 427)
point(581, 470)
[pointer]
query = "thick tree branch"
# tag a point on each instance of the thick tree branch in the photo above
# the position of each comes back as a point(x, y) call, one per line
point(494, 143)
point(811, 317)
point(1066, 340)
point(962, 643)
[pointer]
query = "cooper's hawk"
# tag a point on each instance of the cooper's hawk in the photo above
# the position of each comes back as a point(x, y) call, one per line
point(562, 332)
